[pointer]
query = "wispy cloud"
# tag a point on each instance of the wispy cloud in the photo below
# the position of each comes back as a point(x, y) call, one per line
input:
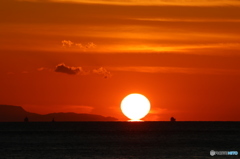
point(67, 43)
point(87, 46)
point(84, 47)
point(183, 48)
point(176, 70)
point(149, 3)
point(42, 69)
point(102, 71)
point(156, 28)
point(186, 20)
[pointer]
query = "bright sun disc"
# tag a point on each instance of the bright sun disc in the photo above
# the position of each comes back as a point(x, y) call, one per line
point(135, 106)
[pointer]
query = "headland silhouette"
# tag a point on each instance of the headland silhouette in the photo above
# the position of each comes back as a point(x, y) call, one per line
point(9, 113)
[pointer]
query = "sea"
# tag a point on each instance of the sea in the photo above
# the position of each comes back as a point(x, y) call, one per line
point(119, 140)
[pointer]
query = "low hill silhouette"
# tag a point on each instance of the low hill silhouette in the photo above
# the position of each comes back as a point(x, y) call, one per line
point(10, 113)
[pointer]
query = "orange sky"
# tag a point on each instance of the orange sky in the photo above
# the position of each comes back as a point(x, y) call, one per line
point(85, 56)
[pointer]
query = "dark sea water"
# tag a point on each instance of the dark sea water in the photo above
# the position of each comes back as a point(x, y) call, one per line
point(146, 140)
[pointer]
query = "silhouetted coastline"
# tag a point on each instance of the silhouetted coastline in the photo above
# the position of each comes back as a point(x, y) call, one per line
point(9, 113)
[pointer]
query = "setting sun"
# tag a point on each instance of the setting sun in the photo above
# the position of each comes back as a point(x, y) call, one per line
point(135, 106)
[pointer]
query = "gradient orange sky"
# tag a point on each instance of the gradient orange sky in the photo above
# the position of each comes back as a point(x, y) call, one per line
point(85, 56)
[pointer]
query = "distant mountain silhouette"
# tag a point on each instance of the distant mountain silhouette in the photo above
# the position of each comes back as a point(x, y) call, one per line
point(10, 113)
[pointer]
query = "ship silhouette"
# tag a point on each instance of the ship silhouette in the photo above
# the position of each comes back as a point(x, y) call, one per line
point(172, 119)
point(26, 119)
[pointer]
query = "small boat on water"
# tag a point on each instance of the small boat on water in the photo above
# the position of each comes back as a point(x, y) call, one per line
point(26, 119)
point(172, 119)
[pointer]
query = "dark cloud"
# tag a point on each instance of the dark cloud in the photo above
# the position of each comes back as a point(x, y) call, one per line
point(68, 69)
point(78, 70)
